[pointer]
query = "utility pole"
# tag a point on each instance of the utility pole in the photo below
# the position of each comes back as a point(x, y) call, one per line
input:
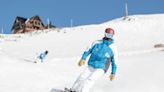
point(2, 30)
point(48, 21)
point(71, 23)
point(126, 10)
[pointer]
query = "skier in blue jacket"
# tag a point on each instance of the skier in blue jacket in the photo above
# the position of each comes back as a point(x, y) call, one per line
point(102, 54)
point(41, 57)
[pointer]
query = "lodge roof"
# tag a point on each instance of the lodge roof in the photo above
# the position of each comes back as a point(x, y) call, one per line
point(18, 21)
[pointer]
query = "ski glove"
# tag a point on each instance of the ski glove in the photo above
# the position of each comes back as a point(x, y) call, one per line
point(112, 77)
point(81, 62)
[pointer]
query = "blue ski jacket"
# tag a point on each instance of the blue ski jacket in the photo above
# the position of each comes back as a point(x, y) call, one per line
point(101, 55)
point(42, 56)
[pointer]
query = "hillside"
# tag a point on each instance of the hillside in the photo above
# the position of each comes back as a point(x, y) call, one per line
point(139, 68)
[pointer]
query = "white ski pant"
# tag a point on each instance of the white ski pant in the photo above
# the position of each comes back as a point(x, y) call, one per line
point(38, 60)
point(87, 79)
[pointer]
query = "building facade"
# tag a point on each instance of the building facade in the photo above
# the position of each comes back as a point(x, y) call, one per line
point(24, 25)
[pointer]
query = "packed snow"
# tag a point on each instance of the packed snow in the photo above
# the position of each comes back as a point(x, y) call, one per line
point(140, 66)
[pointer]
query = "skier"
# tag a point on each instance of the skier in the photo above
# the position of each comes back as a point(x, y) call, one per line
point(102, 54)
point(41, 57)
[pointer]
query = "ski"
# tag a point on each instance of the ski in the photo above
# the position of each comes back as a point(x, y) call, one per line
point(65, 90)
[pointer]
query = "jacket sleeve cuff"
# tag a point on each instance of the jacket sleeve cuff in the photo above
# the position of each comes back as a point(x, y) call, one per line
point(112, 73)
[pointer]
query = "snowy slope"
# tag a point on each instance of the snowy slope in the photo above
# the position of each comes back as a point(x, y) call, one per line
point(139, 67)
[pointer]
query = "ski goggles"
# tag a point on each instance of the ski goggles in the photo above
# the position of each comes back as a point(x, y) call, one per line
point(108, 35)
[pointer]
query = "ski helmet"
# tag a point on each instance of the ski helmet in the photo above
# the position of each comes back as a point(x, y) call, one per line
point(109, 32)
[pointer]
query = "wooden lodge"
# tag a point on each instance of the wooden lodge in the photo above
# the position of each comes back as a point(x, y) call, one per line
point(24, 25)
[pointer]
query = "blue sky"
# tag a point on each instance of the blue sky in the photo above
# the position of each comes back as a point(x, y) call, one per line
point(82, 12)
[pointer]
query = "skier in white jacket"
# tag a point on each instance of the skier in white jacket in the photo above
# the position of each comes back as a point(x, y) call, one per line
point(102, 54)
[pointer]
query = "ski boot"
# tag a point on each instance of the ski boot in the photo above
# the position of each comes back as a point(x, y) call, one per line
point(68, 90)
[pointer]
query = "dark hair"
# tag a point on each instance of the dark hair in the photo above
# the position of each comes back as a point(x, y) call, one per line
point(109, 39)
point(46, 52)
